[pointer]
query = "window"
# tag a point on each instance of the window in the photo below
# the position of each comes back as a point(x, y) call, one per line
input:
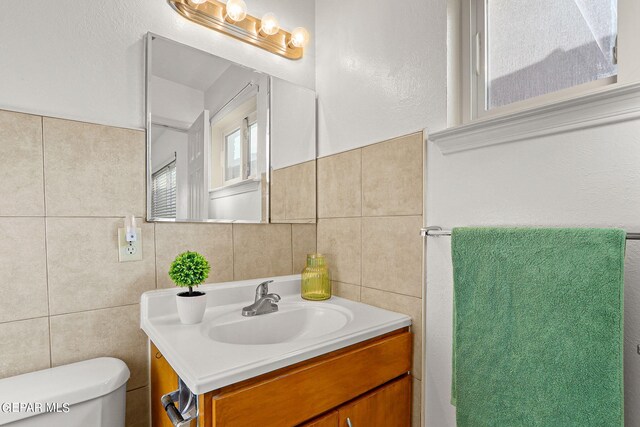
point(164, 192)
point(523, 52)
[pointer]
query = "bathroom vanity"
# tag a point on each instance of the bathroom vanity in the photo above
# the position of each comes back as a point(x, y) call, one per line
point(321, 364)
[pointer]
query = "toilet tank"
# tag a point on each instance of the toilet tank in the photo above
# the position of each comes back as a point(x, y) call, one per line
point(90, 393)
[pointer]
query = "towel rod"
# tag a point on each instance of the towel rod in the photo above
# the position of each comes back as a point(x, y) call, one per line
point(438, 231)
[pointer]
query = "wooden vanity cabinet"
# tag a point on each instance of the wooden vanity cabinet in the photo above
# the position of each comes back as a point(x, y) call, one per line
point(367, 383)
point(387, 406)
point(332, 419)
point(163, 380)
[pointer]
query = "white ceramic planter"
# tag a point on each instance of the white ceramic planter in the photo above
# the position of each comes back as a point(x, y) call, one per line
point(191, 309)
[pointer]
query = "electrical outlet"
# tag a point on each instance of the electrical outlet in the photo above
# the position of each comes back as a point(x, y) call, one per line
point(129, 251)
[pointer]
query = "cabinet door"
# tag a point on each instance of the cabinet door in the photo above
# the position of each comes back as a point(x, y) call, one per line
point(328, 420)
point(388, 406)
point(163, 380)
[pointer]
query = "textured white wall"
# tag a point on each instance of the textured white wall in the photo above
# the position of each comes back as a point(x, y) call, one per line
point(588, 178)
point(381, 73)
point(83, 60)
point(381, 70)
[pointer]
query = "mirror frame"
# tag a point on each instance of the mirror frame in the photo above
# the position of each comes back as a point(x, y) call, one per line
point(148, 123)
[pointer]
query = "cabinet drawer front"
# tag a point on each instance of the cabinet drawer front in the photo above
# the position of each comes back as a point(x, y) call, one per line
point(314, 387)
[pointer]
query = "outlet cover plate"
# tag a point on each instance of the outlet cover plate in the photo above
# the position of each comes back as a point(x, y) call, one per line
point(129, 251)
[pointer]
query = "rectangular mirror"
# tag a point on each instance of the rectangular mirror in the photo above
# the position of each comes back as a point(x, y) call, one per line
point(226, 143)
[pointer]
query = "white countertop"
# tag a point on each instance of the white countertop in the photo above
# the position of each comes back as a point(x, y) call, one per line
point(205, 364)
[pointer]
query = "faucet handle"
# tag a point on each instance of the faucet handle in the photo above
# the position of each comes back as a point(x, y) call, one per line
point(273, 297)
point(262, 289)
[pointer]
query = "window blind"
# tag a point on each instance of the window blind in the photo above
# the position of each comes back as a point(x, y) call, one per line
point(164, 192)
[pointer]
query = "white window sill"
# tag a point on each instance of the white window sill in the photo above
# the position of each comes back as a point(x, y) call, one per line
point(246, 186)
point(612, 105)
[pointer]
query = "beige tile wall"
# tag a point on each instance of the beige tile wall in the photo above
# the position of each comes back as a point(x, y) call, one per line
point(293, 193)
point(66, 187)
point(369, 218)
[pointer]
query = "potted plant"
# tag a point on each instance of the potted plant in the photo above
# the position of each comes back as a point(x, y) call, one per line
point(189, 270)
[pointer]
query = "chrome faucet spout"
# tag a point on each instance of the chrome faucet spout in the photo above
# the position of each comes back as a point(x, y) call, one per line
point(262, 289)
point(264, 302)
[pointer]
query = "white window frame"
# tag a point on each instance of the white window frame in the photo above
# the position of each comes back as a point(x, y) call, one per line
point(252, 120)
point(243, 125)
point(473, 56)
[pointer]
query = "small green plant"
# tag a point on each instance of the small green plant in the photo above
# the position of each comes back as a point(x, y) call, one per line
point(189, 269)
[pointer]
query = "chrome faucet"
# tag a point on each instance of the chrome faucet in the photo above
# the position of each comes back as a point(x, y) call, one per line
point(264, 302)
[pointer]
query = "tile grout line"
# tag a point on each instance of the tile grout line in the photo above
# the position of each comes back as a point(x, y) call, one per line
point(94, 309)
point(373, 216)
point(24, 320)
point(46, 246)
point(286, 194)
point(392, 292)
point(292, 251)
point(233, 252)
point(361, 210)
point(44, 186)
point(361, 183)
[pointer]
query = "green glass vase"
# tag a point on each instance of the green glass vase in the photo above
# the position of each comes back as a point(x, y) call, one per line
point(316, 279)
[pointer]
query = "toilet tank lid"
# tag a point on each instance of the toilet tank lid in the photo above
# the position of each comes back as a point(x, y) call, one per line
point(74, 383)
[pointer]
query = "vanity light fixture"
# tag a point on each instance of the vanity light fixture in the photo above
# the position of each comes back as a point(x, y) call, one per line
point(235, 11)
point(231, 18)
point(269, 25)
point(299, 37)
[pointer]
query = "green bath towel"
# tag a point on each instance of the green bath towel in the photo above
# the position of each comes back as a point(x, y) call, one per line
point(538, 327)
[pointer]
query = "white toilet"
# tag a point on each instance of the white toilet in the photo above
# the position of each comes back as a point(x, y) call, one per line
point(90, 393)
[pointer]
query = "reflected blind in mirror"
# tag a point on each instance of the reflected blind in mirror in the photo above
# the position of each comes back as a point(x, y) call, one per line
point(164, 192)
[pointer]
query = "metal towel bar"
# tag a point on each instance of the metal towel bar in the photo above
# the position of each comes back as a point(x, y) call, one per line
point(438, 232)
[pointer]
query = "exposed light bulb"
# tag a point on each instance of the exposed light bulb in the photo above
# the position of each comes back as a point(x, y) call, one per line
point(299, 37)
point(198, 1)
point(236, 10)
point(269, 24)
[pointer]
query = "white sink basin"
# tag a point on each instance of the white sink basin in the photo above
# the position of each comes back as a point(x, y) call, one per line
point(227, 348)
point(292, 322)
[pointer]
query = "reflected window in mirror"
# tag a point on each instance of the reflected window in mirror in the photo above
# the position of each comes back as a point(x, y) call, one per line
point(236, 137)
point(232, 157)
